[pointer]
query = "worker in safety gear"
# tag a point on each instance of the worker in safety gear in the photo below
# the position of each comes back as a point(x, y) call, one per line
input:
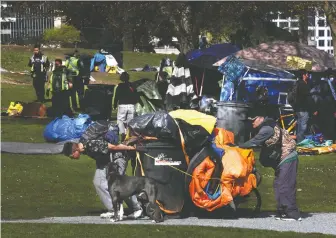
point(77, 92)
point(59, 86)
point(39, 65)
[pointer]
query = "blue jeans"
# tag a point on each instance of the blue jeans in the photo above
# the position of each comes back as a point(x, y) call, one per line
point(301, 126)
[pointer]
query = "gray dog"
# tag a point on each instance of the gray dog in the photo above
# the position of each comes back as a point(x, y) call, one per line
point(122, 186)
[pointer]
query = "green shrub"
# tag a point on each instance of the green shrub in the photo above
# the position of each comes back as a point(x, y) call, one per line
point(66, 34)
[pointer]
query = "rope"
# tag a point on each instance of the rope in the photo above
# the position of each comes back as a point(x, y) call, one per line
point(182, 170)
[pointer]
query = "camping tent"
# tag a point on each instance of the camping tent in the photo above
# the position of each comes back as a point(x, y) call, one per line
point(275, 54)
point(253, 75)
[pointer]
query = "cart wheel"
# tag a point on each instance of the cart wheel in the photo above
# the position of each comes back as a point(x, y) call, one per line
point(249, 205)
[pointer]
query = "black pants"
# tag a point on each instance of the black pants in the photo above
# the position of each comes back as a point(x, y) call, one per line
point(285, 188)
point(61, 104)
point(77, 92)
point(38, 83)
point(326, 123)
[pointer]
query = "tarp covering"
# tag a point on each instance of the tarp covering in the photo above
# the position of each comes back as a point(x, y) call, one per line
point(275, 53)
point(235, 178)
point(31, 148)
point(66, 128)
point(194, 117)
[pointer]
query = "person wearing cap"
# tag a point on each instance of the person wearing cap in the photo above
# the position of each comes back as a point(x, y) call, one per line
point(100, 141)
point(278, 150)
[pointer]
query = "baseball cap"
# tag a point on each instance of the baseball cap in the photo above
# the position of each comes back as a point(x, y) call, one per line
point(255, 112)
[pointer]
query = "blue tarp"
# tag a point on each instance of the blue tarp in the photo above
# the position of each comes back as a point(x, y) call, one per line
point(99, 60)
point(276, 80)
point(66, 128)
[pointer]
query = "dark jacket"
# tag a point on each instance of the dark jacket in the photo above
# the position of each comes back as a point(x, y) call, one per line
point(95, 140)
point(126, 94)
point(304, 102)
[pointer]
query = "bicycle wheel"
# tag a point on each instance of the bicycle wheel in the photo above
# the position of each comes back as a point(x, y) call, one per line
point(249, 205)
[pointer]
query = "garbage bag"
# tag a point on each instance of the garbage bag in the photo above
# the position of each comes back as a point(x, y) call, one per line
point(195, 136)
point(158, 124)
point(66, 128)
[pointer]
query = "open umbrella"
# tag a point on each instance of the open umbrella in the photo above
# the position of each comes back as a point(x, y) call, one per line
point(205, 58)
point(275, 54)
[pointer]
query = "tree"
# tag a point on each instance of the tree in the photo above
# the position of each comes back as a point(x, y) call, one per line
point(66, 34)
point(329, 9)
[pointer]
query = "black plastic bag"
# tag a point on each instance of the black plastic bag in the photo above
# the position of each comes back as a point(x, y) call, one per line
point(159, 124)
point(195, 136)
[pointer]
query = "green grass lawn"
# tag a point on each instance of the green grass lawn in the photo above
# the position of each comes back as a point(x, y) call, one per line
point(16, 58)
point(36, 186)
point(136, 231)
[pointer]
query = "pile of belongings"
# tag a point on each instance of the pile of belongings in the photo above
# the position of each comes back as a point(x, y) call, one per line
point(66, 128)
point(21, 109)
point(184, 152)
point(315, 145)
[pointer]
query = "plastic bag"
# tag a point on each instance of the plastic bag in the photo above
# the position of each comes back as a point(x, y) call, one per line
point(159, 124)
point(66, 128)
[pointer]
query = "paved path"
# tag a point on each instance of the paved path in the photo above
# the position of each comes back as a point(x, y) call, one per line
point(312, 223)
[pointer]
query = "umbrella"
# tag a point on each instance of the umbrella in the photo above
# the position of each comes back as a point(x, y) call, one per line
point(205, 58)
point(275, 54)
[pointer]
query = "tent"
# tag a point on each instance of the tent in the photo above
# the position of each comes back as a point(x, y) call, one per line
point(201, 65)
point(103, 60)
point(275, 53)
point(242, 87)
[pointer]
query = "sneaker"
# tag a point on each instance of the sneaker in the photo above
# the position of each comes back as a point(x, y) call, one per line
point(278, 215)
point(136, 214)
point(285, 217)
point(107, 215)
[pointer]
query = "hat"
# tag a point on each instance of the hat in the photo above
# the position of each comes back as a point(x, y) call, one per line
point(255, 112)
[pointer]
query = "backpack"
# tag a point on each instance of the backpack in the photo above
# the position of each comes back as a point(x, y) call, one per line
point(292, 94)
point(270, 156)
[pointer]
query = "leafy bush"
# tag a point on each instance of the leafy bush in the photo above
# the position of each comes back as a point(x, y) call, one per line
point(66, 34)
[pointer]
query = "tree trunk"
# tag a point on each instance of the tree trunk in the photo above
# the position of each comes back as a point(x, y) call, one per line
point(330, 12)
point(303, 27)
point(128, 39)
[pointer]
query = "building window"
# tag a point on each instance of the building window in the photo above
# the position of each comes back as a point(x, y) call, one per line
point(321, 43)
point(321, 33)
point(321, 23)
point(283, 24)
point(328, 32)
point(330, 43)
point(332, 52)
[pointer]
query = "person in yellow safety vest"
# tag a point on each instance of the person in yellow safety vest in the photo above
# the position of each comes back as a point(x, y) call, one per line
point(39, 65)
point(77, 92)
point(59, 85)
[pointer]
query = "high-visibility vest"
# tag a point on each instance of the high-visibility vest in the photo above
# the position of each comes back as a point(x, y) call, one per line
point(43, 60)
point(72, 65)
point(56, 85)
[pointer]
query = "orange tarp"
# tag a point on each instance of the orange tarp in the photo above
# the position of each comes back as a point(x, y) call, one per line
point(236, 178)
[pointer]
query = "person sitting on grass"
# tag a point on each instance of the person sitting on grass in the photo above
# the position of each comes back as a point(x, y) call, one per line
point(101, 142)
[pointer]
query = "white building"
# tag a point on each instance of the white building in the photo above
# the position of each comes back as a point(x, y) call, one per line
point(319, 33)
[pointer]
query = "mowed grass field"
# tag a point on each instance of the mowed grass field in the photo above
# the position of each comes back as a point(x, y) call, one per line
point(36, 186)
